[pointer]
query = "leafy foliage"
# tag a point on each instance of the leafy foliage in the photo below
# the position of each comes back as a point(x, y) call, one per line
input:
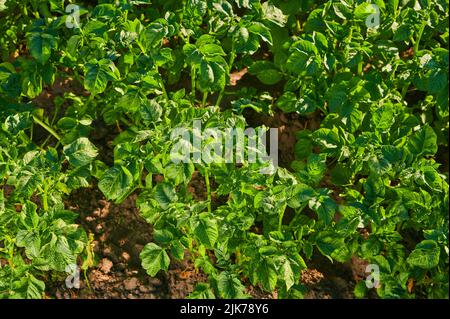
point(369, 182)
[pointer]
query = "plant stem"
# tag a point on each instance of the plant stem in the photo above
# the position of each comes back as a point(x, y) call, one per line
point(208, 190)
point(298, 25)
point(280, 218)
point(193, 73)
point(44, 197)
point(419, 36)
point(360, 68)
point(166, 96)
point(46, 127)
point(230, 65)
point(232, 58)
point(125, 121)
point(55, 114)
point(219, 98)
point(205, 97)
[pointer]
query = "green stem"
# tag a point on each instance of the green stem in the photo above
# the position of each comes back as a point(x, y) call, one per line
point(166, 96)
point(141, 47)
point(55, 114)
point(208, 190)
point(360, 68)
point(280, 219)
point(45, 141)
point(46, 127)
point(219, 98)
point(419, 36)
point(126, 122)
point(349, 39)
point(44, 197)
point(205, 97)
point(232, 58)
point(230, 65)
point(299, 27)
point(193, 74)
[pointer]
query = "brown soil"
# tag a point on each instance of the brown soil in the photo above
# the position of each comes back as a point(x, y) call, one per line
point(120, 233)
point(325, 280)
point(182, 278)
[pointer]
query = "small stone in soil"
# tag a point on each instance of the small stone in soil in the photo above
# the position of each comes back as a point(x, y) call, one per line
point(131, 284)
point(125, 256)
point(99, 228)
point(105, 265)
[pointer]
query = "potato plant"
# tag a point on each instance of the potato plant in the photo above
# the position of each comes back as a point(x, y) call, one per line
point(369, 182)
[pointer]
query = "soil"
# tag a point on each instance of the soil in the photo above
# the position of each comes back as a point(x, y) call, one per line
point(119, 236)
point(326, 280)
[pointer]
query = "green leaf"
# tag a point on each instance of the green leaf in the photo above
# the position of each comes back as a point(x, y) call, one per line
point(116, 182)
point(437, 81)
point(301, 194)
point(360, 289)
point(423, 142)
point(425, 255)
point(328, 139)
point(162, 236)
point(229, 286)
point(154, 259)
point(165, 194)
point(28, 288)
point(288, 274)
point(265, 273)
point(97, 75)
point(266, 72)
point(383, 117)
point(80, 152)
point(41, 46)
point(364, 10)
point(202, 291)
point(326, 209)
point(177, 250)
point(56, 254)
point(274, 14)
point(327, 242)
point(213, 73)
point(207, 230)
point(30, 240)
point(17, 122)
point(131, 101)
